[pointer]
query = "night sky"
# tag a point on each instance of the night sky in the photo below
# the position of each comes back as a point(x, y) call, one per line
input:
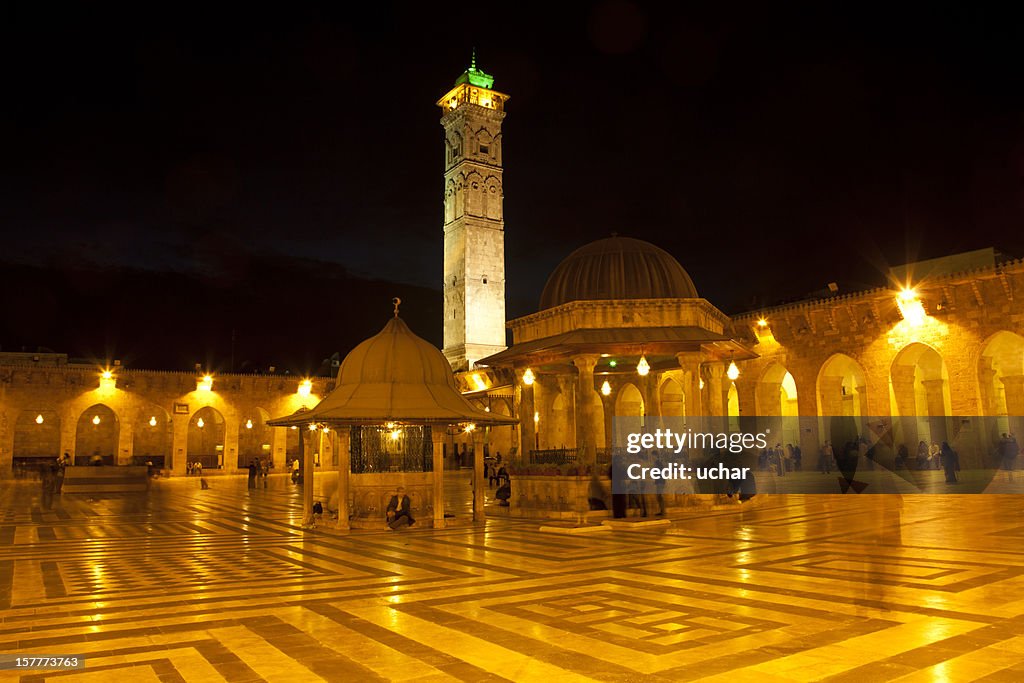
point(176, 179)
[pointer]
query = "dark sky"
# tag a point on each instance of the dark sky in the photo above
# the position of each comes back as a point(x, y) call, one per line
point(250, 158)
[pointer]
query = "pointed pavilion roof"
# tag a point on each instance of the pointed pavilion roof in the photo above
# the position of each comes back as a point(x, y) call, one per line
point(394, 376)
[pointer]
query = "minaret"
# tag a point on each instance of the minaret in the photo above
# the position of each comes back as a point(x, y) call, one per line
point(474, 224)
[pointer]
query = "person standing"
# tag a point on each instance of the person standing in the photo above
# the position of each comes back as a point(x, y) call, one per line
point(252, 474)
point(48, 476)
point(950, 462)
point(62, 464)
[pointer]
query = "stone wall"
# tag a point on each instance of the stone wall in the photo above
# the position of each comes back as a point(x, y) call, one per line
point(151, 413)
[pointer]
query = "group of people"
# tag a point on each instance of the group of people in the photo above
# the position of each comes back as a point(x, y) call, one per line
point(779, 461)
point(258, 468)
point(194, 468)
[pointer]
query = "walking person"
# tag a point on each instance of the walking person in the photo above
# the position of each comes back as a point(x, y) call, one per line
point(252, 474)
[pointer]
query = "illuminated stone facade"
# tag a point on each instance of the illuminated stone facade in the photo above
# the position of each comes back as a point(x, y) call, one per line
point(49, 407)
point(865, 355)
point(474, 224)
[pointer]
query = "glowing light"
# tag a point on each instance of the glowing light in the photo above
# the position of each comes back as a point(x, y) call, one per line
point(606, 389)
point(395, 433)
point(390, 425)
point(612, 363)
point(96, 419)
point(733, 372)
point(248, 424)
point(205, 384)
point(39, 419)
point(312, 427)
point(702, 384)
point(200, 423)
point(326, 429)
point(481, 385)
point(152, 421)
point(529, 377)
point(643, 367)
point(762, 323)
point(469, 428)
point(536, 418)
point(305, 387)
point(911, 307)
point(294, 427)
point(107, 374)
point(487, 409)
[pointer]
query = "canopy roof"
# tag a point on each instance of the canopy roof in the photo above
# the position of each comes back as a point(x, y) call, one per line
point(394, 376)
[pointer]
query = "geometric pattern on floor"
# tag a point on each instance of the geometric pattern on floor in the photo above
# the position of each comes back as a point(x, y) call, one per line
point(182, 584)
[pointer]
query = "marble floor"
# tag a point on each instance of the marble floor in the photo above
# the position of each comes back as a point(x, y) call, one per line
point(184, 584)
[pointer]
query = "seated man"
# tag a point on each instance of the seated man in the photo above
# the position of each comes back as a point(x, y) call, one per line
point(399, 508)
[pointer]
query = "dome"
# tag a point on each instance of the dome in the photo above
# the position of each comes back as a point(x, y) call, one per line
point(394, 376)
point(617, 268)
point(395, 355)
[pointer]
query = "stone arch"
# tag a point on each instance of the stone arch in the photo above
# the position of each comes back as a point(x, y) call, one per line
point(33, 439)
point(629, 402)
point(842, 387)
point(501, 437)
point(255, 438)
point(152, 437)
point(206, 431)
point(733, 407)
point(775, 398)
point(492, 194)
point(559, 431)
point(96, 434)
point(672, 399)
point(919, 394)
point(1001, 382)
point(475, 194)
point(449, 201)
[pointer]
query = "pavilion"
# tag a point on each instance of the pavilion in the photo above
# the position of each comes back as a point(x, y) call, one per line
point(392, 406)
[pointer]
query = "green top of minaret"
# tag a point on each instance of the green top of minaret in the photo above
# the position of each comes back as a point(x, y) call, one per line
point(475, 76)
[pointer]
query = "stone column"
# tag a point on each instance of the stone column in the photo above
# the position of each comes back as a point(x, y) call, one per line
point(179, 443)
point(478, 475)
point(1013, 386)
point(307, 445)
point(830, 389)
point(7, 442)
point(862, 401)
point(586, 435)
point(986, 383)
point(437, 435)
point(690, 362)
point(906, 405)
point(124, 441)
point(527, 428)
point(935, 396)
point(344, 472)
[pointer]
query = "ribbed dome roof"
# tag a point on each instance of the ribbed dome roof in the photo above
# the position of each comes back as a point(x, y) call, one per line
point(617, 268)
point(394, 376)
point(396, 355)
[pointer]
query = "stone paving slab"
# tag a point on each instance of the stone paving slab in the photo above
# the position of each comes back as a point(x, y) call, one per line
point(184, 584)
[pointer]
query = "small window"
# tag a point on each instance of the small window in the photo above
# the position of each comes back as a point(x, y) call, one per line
point(485, 279)
point(485, 149)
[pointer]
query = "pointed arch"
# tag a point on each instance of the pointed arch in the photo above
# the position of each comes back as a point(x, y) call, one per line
point(919, 394)
point(206, 429)
point(97, 433)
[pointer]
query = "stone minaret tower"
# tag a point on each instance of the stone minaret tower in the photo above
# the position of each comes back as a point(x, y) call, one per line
point(474, 224)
